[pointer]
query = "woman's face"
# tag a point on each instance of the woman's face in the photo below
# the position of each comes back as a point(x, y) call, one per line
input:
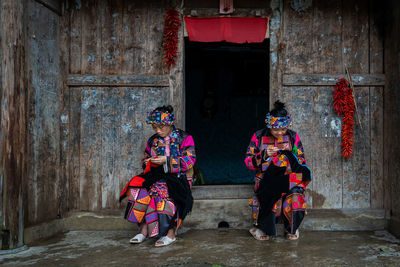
point(278, 132)
point(162, 130)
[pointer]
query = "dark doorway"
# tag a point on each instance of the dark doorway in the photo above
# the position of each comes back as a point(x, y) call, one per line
point(227, 90)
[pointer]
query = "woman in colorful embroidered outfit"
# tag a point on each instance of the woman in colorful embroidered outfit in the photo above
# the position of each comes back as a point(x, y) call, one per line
point(160, 208)
point(276, 154)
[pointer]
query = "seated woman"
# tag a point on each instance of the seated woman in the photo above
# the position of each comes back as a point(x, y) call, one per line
point(160, 204)
point(276, 154)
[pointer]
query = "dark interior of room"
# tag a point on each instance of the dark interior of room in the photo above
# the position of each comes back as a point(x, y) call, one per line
point(227, 89)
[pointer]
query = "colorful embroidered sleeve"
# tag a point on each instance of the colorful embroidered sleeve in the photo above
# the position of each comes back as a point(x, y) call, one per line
point(298, 149)
point(253, 154)
point(187, 159)
point(147, 154)
point(296, 179)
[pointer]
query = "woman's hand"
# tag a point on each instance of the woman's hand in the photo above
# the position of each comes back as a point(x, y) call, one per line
point(159, 160)
point(272, 151)
point(145, 161)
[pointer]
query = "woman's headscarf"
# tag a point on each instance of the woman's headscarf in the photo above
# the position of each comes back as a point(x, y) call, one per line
point(161, 116)
point(278, 117)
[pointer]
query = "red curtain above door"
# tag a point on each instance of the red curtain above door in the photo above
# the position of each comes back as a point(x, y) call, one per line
point(232, 30)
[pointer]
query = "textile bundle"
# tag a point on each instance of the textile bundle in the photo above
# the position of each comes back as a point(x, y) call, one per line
point(178, 187)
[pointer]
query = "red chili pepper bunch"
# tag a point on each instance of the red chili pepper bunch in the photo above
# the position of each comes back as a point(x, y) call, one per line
point(171, 27)
point(343, 104)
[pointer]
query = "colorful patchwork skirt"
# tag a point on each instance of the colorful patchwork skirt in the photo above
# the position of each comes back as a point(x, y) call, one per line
point(154, 207)
point(292, 205)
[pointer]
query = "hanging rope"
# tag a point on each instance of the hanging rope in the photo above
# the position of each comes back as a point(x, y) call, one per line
point(343, 104)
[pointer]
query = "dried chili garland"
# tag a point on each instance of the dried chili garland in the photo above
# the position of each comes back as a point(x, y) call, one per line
point(343, 104)
point(171, 27)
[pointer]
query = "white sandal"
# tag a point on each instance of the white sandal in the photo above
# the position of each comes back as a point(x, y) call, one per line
point(139, 238)
point(259, 234)
point(165, 241)
point(293, 237)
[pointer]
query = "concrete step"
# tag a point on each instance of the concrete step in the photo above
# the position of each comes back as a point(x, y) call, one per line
point(213, 206)
point(229, 203)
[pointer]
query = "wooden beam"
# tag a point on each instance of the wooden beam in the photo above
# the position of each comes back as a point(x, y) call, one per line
point(118, 80)
point(331, 79)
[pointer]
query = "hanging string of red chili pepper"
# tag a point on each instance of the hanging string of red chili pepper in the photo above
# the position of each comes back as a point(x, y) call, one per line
point(171, 27)
point(343, 104)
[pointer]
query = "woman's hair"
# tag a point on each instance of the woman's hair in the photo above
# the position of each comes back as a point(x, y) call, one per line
point(279, 109)
point(168, 109)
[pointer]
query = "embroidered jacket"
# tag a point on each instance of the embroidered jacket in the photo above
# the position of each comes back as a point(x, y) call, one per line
point(258, 160)
point(182, 156)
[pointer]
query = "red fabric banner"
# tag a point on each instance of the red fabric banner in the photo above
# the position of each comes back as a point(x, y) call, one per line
point(232, 30)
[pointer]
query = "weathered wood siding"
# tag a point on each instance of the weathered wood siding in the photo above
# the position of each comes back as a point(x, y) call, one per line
point(115, 75)
point(109, 141)
point(77, 81)
point(318, 43)
point(117, 37)
point(13, 94)
point(44, 189)
point(112, 44)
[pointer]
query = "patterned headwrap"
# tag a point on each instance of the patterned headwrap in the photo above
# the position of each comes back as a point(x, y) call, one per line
point(278, 122)
point(159, 117)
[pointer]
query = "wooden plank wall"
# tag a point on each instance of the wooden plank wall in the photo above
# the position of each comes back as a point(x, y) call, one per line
point(117, 37)
point(13, 96)
point(72, 127)
point(324, 39)
point(110, 41)
point(107, 141)
point(46, 187)
point(115, 75)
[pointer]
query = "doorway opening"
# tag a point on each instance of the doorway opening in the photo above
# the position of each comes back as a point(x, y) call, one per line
point(227, 97)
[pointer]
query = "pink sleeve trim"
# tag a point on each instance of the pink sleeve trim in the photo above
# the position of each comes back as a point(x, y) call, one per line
point(249, 160)
point(254, 139)
point(297, 140)
point(188, 141)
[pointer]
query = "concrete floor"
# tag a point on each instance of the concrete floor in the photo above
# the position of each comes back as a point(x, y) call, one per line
point(212, 248)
